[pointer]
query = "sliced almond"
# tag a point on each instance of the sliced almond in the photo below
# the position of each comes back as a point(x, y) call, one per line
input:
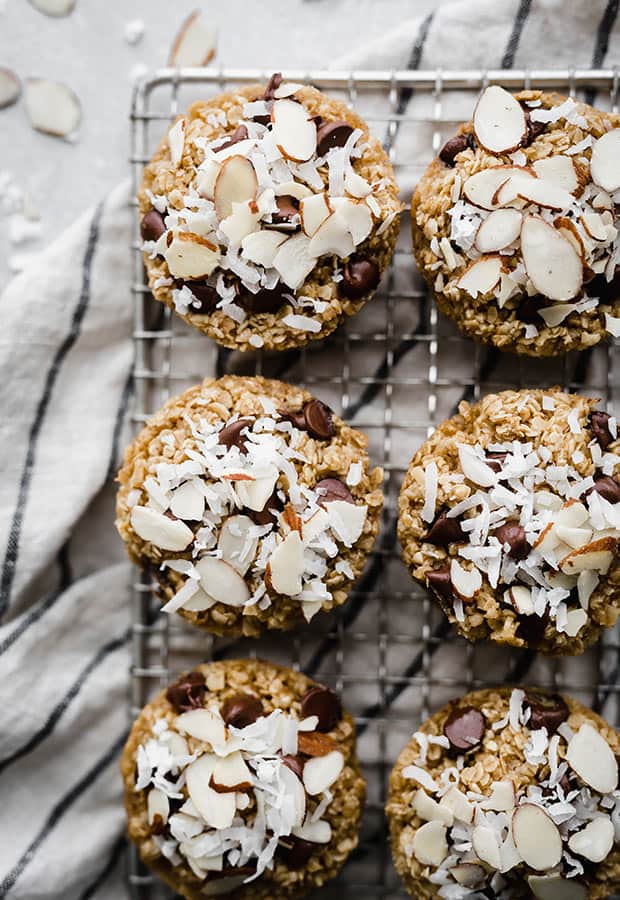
point(468, 874)
point(191, 256)
point(481, 276)
point(218, 810)
point(157, 806)
point(499, 121)
point(604, 167)
point(293, 130)
point(482, 187)
point(595, 226)
point(236, 182)
point(501, 798)
point(207, 175)
point(313, 211)
point(554, 887)
point(321, 772)
point(52, 107)
point(195, 42)
point(188, 502)
point(294, 262)
point(465, 582)
point(487, 848)
point(222, 582)
point(176, 141)
point(316, 832)
point(553, 265)
point(238, 549)
point(560, 170)
point(591, 757)
point(356, 215)
point(430, 845)
point(55, 8)
point(534, 190)
point(255, 494)
point(430, 811)
point(241, 223)
point(536, 837)
point(569, 232)
point(10, 87)
point(520, 598)
point(346, 520)
point(547, 540)
point(575, 621)
point(476, 469)
point(292, 189)
point(314, 743)
point(202, 724)
point(574, 537)
point(595, 841)
point(286, 565)
point(158, 529)
point(456, 801)
point(355, 185)
point(261, 247)
point(315, 525)
point(596, 556)
point(332, 237)
point(572, 514)
point(230, 774)
point(499, 230)
point(294, 791)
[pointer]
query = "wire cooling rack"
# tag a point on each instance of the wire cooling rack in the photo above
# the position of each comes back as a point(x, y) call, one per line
point(395, 370)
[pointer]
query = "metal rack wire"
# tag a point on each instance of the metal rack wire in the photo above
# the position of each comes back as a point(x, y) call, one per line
point(395, 370)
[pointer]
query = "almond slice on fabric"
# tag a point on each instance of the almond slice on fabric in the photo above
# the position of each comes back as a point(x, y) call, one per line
point(294, 262)
point(294, 132)
point(595, 841)
point(536, 837)
point(560, 170)
point(499, 121)
point(10, 87)
point(604, 167)
point(158, 529)
point(52, 107)
point(552, 263)
point(286, 565)
point(554, 887)
point(189, 255)
point(481, 276)
point(321, 772)
point(218, 810)
point(195, 42)
point(481, 188)
point(430, 845)
point(596, 556)
point(313, 211)
point(590, 756)
point(57, 9)
point(499, 230)
point(236, 182)
point(222, 582)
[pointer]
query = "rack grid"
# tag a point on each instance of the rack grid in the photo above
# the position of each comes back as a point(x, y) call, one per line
point(395, 370)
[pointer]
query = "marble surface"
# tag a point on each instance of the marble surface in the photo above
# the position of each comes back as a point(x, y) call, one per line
point(89, 51)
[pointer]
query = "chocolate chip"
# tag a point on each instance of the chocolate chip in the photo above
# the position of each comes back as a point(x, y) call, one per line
point(239, 134)
point(607, 487)
point(266, 515)
point(599, 426)
point(295, 764)
point(152, 225)
point(322, 702)
point(284, 218)
point(230, 435)
point(314, 417)
point(453, 147)
point(531, 629)
point(513, 534)
point(527, 310)
point(241, 710)
point(534, 129)
point(445, 530)
point(272, 86)
point(206, 297)
point(464, 728)
point(332, 134)
point(295, 852)
point(188, 692)
point(332, 489)
point(158, 826)
point(547, 710)
point(495, 460)
point(606, 292)
point(359, 277)
point(264, 300)
point(440, 584)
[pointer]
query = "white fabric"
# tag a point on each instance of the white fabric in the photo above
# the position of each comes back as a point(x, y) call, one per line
point(65, 356)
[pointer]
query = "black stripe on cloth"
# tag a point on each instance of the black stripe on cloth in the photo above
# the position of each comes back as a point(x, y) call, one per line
point(107, 870)
point(601, 44)
point(46, 730)
point(59, 810)
point(12, 551)
point(512, 46)
point(118, 426)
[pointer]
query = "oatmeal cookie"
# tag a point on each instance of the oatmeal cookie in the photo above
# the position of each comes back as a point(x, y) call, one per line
point(509, 514)
point(241, 779)
point(251, 504)
point(509, 794)
point(268, 215)
point(515, 225)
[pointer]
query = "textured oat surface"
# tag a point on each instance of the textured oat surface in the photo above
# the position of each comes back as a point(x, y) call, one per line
point(498, 418)
point(480, 317)
point(499, 757)
point(161, 177)
point(216, 400)
point(278, 688)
